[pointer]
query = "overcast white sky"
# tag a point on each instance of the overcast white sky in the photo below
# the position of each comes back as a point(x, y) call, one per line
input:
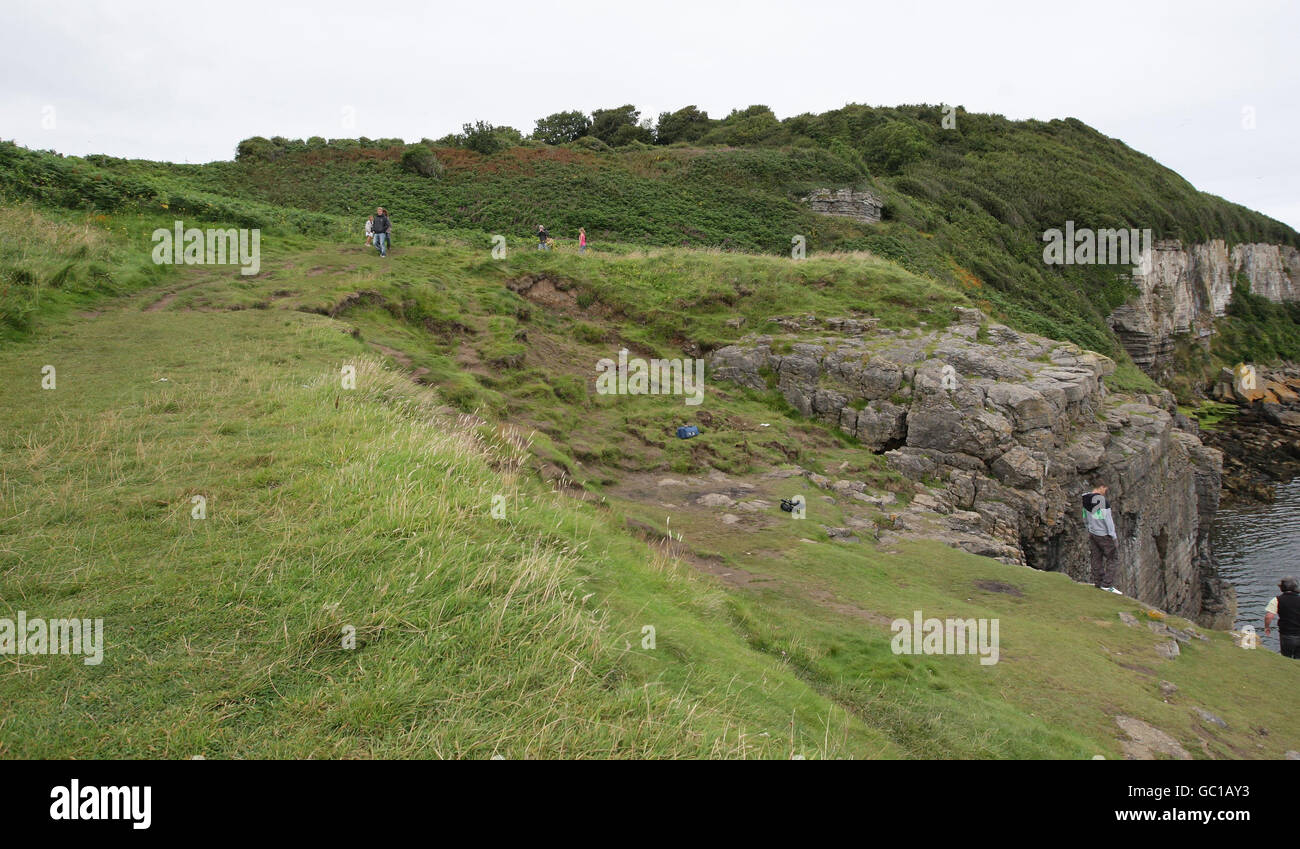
point(185, 82)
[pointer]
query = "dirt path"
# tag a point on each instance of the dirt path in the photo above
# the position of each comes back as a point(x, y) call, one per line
point(162, 303)
point(404, 360)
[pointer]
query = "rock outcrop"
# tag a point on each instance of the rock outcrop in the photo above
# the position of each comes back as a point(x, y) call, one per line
point(1182, 289)
point(1006, 431)
point(1261, 443)
point(846, 203)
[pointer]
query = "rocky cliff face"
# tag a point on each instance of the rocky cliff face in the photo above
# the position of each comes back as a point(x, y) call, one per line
point(1003, 432)
point(1261, 443)
point(846, 203)
point(1184, 288)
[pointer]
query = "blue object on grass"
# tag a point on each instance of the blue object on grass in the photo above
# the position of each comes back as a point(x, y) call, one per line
point(687, 431)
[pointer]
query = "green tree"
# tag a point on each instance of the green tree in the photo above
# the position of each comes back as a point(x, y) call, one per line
point(893, 145)
point(753, 125)
point(629, 133)
point(687, 124)
point(562, 127)
point(606, 123)
point(257, 148)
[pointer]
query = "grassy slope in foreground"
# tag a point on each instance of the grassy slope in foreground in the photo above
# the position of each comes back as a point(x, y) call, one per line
point(329, 508)
point(479, 636)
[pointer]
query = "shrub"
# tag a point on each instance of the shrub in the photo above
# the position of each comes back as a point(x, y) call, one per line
point(687, 124)
point(569, 388)
point(562, 127)
point(590, 143)
point(482, 137)
point(588, 333)
point(893, 145)
point(607, 123)
point(632, 134)
point(257, 148)
point(419, 159)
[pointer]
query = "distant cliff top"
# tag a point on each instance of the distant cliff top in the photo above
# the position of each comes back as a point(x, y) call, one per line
point(964, 197)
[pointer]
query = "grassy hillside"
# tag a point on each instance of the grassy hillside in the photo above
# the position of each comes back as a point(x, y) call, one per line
point(965, 205)
point(52, 261)
point(521, 633)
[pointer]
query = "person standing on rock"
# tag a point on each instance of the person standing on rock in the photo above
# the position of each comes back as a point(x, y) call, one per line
point(1285, 609)
point(381, 228)
point(1102, 542)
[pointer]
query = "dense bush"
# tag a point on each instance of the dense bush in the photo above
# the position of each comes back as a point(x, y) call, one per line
point(687, 124)
point(590, 143)
point(482, 137)
point(1258, 330)
point(562, 127)
point(618, 125)
point(893, 145)
point(67, 181)
point(257, 148)
point(420, 159)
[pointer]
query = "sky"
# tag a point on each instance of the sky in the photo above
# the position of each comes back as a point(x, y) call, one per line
point(1209, 90)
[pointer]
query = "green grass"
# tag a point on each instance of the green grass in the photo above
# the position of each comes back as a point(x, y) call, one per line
point(966, 207)
point(329, 508)
point(519, 636)
point(1131, 379)
point(1211, 414)
point(54, 261)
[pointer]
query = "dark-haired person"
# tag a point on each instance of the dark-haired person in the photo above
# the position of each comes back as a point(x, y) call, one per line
point(1285, 608)
point(381, 228)
point(542, 236)
point(1102, 542)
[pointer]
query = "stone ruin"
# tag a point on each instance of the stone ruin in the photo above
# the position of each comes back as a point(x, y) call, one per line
point(861, 206)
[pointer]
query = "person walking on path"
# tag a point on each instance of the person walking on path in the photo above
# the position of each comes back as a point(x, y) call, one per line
point(582, 240)
point(1102, 542)
point(1285, 610)
point(381, 228)
point(370, 231)
point(542, 236)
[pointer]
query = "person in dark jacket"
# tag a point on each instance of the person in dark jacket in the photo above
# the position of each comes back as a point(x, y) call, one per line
point(1285, 610)
point(1102, 540)
point(542, 236)
point(381, 229)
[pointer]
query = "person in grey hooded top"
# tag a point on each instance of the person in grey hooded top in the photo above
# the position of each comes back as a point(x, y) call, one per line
point(1102, 541)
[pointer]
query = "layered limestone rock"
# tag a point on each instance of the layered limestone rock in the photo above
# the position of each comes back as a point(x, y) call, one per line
point(1182, 289)
point(1006, 431)
point(846, 203)
point(1261, 447)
